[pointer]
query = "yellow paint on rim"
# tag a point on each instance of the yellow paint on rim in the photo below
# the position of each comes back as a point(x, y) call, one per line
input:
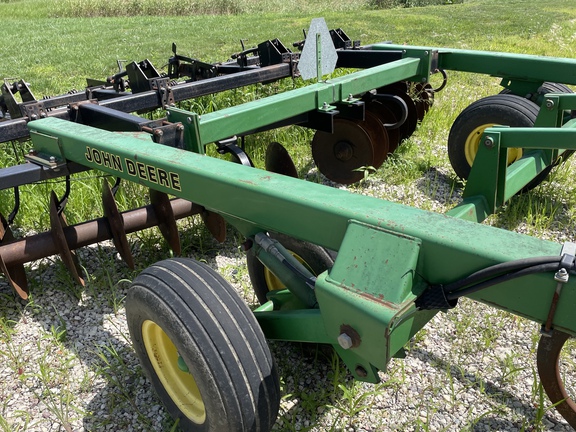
point(273, 283)
point(473, 140)
point(180, 385)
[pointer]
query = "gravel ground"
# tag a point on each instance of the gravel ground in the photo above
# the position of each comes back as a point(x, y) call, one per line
point(67, 365)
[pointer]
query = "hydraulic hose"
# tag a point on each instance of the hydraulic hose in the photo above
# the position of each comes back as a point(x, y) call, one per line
point(498, 269)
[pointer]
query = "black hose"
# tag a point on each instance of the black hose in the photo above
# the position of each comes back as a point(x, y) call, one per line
point(540, 268)
point(495, 270)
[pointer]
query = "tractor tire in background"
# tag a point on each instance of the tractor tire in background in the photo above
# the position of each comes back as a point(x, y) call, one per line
point(501, 109)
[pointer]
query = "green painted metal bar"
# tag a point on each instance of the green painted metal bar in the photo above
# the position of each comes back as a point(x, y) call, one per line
point(473, 209)
point(294, 325)
point(536, 138)
point(243, 118)
point(450, 248)
point(505, 65)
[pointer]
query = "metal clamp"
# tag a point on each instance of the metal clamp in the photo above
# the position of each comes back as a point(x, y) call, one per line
point(561, 277)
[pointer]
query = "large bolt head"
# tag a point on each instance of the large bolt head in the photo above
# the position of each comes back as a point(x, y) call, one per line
point(345, 341)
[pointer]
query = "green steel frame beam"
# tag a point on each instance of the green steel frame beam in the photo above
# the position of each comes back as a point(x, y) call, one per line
point(450, 248)
point(505, 65)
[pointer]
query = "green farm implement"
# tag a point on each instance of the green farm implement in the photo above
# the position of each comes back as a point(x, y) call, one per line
point(357, 273)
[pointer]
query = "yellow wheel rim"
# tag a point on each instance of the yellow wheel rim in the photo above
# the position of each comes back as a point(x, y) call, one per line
point(180, 385)
point(473, 140)
point(273, 283)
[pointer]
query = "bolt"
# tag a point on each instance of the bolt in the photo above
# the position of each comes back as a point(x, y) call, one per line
point(168, 114)
point(345, 341)
point(350, 97)
point(549, 104)
point(158, 132)
point(561, 276)
point(361, 372)
point(180, 128)
point(489, 142)
point(325, 105)
point(33, 116)
point(43, 115)
point(52, 159)
point(189, 120)
point(426, 53)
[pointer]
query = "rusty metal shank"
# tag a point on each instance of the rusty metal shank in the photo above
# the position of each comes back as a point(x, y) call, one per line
point(42, 245)
point(548, 362)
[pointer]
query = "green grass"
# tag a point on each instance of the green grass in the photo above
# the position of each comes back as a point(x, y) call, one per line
point(56, 45)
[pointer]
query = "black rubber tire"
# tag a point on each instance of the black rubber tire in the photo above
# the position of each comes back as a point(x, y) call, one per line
point(217, 337)
point(316, 258)
point(545, 88)
point(502, 109)
point(551, 87)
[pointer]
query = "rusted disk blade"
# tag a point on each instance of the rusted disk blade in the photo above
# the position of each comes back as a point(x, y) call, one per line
point(15, 274)
point(378, 136)
point(386, 117)
point(430, 94)
point(279, 161)
point(339, 154)
point(166, 220)
point(549, 349)
point(409, 126)
point(422, 99)
point(57, 223)
point(116, 225)
point(215, 224)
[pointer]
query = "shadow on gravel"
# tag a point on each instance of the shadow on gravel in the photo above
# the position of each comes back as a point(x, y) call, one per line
point(440, 187)
point(492, 389)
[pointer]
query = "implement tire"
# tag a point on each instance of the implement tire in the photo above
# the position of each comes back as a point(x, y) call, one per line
point(202, 349)
point(501, 109)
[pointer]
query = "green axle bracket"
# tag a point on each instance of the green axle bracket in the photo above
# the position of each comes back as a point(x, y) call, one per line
point(367, 298)
point(365, 302)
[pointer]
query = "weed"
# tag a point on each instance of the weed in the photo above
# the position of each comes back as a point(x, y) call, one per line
point(541, 408)
point(353, 400)
point(366, 171)
point(509, 369)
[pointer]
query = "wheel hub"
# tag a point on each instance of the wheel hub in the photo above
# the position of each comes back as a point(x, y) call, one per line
point(339, 155)
point(343, 151)
point(173, 372)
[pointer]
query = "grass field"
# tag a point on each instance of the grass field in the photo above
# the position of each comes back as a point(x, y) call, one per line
point(55, 46)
